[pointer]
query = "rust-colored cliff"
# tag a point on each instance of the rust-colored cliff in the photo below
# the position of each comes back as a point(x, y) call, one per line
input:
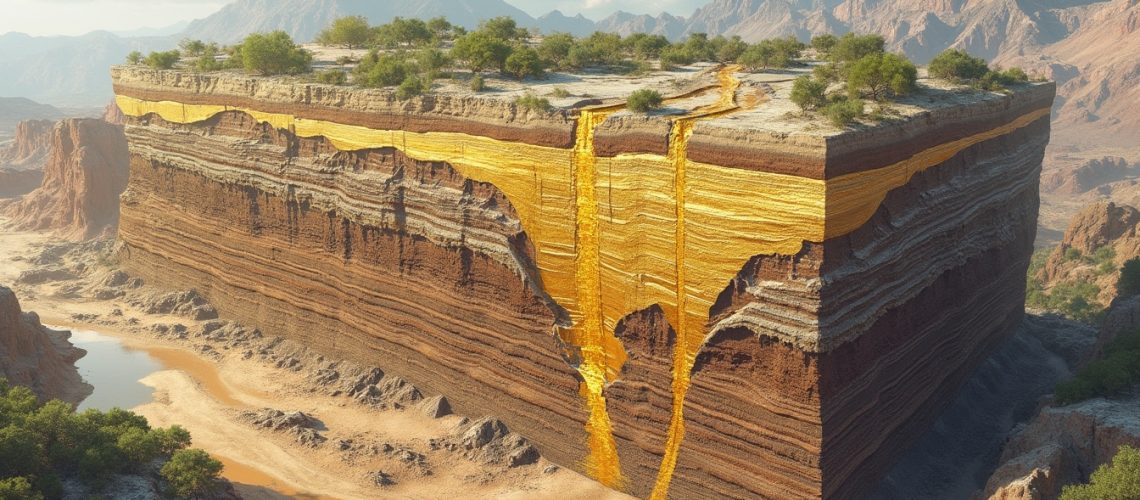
point(22, 161)
point(84, 174)
point(704, 302)
point(37, 357)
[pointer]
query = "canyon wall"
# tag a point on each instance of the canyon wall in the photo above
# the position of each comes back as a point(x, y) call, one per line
point(37, 357)
point(22, 160)
point(712, 302)
point(83, 176)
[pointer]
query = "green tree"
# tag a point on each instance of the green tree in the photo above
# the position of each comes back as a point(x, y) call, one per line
point(332, 77)
point(504, 28)
point(18, 488)
point(809, 93)
point(881, 76)
point(173, 438)
point(851, 47)
point(163, 60)
point(700, 47)
point(274, 54)
point(192, 48)
point(1129, 282)
point(135, 57)
point(441, 29)
point(649, 46)
point(1119, 480)
point(384, 70)
point(524, 62)
point(477, 83)
point(347, 31)
point(641, 101)
point(823, 44)
point(192, 472)
point(676, 55)
point(140, 445)
point(554, 49)
point(402, 32)
point(481, 51)
point(957, 66)
point(731, 49)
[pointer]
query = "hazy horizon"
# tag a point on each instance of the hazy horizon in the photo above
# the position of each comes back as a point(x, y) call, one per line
point(79, 17)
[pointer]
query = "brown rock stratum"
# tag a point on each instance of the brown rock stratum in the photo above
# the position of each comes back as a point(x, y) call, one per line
point(22, 161)
point(38, 357)
point(817, 368)
point(85, 173)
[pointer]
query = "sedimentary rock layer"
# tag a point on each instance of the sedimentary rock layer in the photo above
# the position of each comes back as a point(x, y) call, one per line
point(22, 161)
point(828, 304)
point(37, 357)
point(83, 177)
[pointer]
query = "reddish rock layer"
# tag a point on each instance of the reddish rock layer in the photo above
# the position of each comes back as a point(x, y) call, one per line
point(22, 162)
point(34, 356)
point(84, 175)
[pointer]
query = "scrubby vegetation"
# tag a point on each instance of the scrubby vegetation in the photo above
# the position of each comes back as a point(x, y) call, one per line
point(1116, 372)
point(644, 100)
point(533, 102)
point(274, 54)
point(162, 60)
point(1129, 283)
point(1076, 299)
point(957, 66)
point(1119, 480)
point(41, 444)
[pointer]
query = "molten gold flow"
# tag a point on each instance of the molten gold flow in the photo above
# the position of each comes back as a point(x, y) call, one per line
point(602, 462)
point(616, 235)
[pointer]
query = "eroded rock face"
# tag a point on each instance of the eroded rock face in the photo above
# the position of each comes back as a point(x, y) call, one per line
point(915, 272)
point(1099, 225)
point(83, 177)
point(22, 161)
point(37, 357)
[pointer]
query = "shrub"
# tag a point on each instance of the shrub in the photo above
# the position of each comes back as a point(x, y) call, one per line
point(823, 44)
point(477, 84)
point(1072, 254)
point(274, 54)
point(957, 66)
point(533, 102)
point(881, 76)
point(524, 62)
point(730, 50)
point(1129, 283)
point(192, 472)
point(1119, 480)
point(480, 51)
point(192, 48)
point(851, 47)
point(135, 57)
point(997, 80)
point(503, 28)
point(641, 101)
point(18, 488)
point(163, 60)
point(646, 46)
point(560, 92)
point(676, 55)
point(432, 62)
point(843, 112)
point(1118, 371)
point(348, 31)
point(385, 70)
point(555, 49)
point(773, 53)
point(332, 77)
point(411, 86)
point(809, 93)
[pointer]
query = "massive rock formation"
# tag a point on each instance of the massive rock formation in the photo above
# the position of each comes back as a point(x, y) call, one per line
point(1097, 226)
point(38, 357)
point(715, 300)
point(82, 181)
point(22, 161)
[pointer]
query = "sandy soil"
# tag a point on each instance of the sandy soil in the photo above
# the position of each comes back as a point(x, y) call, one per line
point(206, 393)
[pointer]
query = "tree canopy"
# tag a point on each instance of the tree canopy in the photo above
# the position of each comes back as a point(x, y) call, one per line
point(274, 54)
point(349, 31)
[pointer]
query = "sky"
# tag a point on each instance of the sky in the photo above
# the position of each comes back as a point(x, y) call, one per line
point(76, 17)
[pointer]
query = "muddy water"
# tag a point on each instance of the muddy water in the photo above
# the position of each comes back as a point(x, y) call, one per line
point(114, 370)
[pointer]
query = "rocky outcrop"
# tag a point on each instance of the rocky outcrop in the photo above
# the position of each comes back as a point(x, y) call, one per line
point(1103, 225)
point(38, 357)
point(22, 161)
point(503, 259)
point(1063, 445)
point(83, 177)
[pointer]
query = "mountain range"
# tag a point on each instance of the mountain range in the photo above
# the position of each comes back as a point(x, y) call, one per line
point(1090, 47)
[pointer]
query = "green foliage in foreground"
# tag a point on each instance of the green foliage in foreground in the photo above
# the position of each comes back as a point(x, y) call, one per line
point(844, 111)
point(956, 66)
point(641, 101)
point(42, 443)
point(1119, 480)
point(1117, 372)
point(192, 472)
point(809, 93)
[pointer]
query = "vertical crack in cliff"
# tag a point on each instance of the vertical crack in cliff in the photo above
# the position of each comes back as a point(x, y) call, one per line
point(602, 463)
point(687, 322)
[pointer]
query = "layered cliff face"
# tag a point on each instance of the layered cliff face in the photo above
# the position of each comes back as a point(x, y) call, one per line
point(22, 160)
point(707, 302)
point(82, 179)
point(37, 357)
